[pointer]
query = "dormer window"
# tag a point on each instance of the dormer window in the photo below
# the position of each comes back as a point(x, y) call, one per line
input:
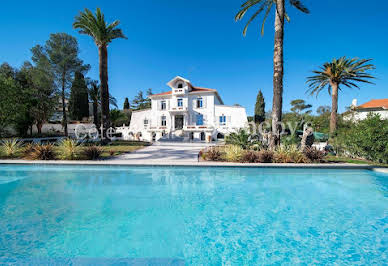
point(163, 105)
point(180, 85)
point(199, 102)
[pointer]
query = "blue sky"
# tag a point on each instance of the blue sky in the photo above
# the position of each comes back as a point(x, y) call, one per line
point(199, 40)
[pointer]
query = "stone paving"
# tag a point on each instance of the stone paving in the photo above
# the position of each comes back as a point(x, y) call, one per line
point(166, 152)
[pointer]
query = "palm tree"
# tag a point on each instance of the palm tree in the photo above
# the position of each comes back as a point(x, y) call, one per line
point(280, 14)
point(94, 96)
point(102, 34)
point(342, 71)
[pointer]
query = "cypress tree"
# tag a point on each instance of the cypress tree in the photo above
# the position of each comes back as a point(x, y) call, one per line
point(126, 104)
point(79, 100)
point(259, 108)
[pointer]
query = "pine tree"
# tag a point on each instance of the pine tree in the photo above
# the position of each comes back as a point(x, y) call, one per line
point(79, 101)
point(259, 108)
point(126, 104)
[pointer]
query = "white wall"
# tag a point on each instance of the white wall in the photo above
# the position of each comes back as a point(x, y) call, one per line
point(357, 115)
point(236, 118)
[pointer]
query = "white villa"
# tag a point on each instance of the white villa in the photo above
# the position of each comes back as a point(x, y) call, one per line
point(186, 113)
point(360, 112)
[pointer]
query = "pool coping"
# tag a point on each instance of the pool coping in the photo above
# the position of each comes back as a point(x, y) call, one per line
point(200, 164)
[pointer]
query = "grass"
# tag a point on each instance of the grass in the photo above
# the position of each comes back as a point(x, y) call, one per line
point(114, 149)
point(341, 159)
point(121, 147)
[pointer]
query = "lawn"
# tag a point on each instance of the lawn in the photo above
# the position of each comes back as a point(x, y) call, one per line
point(341, 159)
point(120, 147)
point(114, 149)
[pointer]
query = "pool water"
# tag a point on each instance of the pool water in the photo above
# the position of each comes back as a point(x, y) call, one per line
point(204, 216)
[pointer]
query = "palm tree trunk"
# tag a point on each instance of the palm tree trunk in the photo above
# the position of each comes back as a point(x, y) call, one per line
point(334, 107)
point(64, 119)
point(39, 125)
point(277, 74)
point(105, 119)
point(95, 114)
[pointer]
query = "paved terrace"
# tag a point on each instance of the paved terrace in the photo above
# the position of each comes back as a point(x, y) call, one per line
point(165, 152)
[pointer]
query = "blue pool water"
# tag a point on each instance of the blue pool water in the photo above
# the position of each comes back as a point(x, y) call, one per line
point(205, 216)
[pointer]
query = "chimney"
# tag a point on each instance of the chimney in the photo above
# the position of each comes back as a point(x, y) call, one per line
point(354, 104)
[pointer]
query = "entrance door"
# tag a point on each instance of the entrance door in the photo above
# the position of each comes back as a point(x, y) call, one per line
point(202, 136)
point(178, 121)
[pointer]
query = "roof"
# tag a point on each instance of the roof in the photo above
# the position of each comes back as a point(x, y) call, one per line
point(376, 103)
point(193, 89)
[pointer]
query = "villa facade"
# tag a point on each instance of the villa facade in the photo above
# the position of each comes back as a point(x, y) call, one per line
point(360, 112)
point(186, 113)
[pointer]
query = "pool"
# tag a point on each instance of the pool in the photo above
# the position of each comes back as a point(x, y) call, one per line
point(208, 216)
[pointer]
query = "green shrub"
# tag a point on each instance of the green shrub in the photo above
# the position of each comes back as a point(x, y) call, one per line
point(266, 156)
point(92, 152)
point(368, 139)
point(233, 153)
point(42, 152)
point(243, 139)
point(10, 147)
point(68, 149)
point(250, 157)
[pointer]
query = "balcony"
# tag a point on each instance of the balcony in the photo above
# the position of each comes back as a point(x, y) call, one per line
point(178, 108)
point(198, 128)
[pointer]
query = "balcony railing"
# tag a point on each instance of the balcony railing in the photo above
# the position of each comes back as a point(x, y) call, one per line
point(179, 108)
point(198, 127)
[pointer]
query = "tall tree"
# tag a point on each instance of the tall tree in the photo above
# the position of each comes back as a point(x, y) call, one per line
point(280, 14)
point(62, 52)
point(94, 92)
point(9, 106)
point(299, 105)
point(259, 108)
point(79, 98)
point(332, 75)
point(126, 104)
point(94, 96)
point(102, 34)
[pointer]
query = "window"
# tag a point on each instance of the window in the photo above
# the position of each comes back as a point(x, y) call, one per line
point(180, 102)
point(145, 122)
point(163, 105)
point(199, 120)
point(223, 120)
point(163, 121)
point(199, 103)
point(180, 86)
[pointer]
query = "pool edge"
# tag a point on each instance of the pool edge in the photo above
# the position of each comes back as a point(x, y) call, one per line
point(200, 164)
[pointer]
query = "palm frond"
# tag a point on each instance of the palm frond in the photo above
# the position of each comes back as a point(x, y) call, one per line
point(264, 4)
point(96, 27)
point(342, 71)
point(299, 5)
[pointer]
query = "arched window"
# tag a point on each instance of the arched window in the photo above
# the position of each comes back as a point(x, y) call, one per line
point(180, 85)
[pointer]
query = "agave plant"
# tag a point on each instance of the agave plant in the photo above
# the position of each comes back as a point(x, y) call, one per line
point(92, 152)
point(68, 149)
point(42, 152)
point(10, 147)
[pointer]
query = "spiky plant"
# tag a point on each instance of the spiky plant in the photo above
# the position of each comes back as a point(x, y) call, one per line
point(265, 6)
point(331, 75)
point(92, 152)
point(10, 147)
point(68, 149)
point(42, 152)
point(102, 33)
